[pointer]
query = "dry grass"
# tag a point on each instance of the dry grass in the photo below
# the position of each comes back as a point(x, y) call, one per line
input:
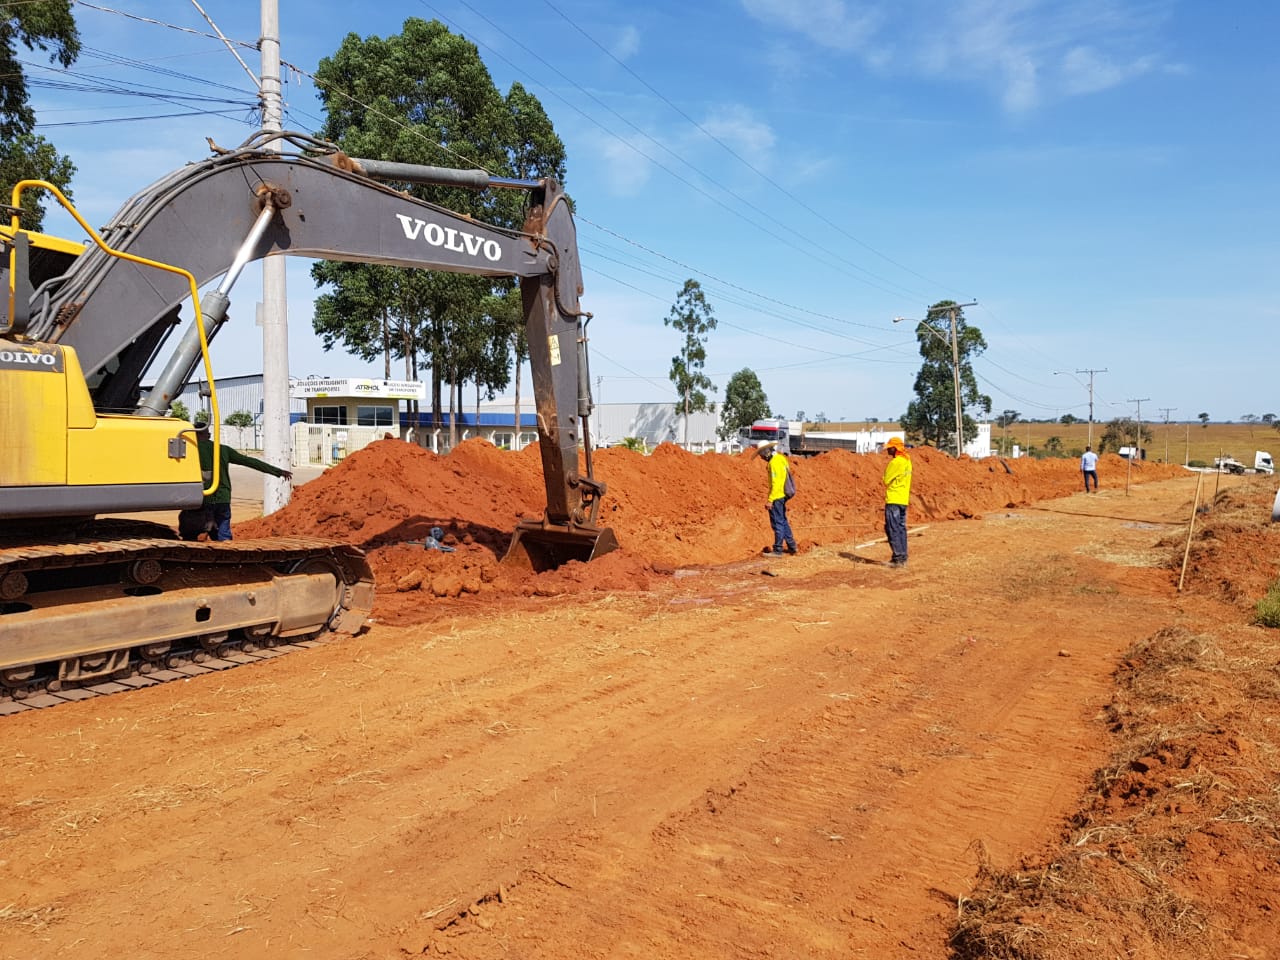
point(1176, 443)
point(1114, 886)
point(29, 918)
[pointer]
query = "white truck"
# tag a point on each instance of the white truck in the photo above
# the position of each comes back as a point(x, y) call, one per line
point(1261, 464)
point(1228, 465)
point(794, 440)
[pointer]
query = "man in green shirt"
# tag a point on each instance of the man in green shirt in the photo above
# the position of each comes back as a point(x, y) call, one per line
point(214, 517)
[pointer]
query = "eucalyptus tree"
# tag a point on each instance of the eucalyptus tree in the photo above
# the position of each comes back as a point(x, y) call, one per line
point(691, 315)
point(424, 96)
point(932, 414)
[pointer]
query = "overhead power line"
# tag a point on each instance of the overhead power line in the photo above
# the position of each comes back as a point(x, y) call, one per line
point(733, 153)
point(816, 250)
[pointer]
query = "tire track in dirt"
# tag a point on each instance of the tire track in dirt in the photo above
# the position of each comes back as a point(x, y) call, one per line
point(616, 766)
point(809, 852)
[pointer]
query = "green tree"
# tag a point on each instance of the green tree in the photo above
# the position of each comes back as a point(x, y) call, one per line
point(1204, 420)
point(1124, 432)
point(1067, 419)
point(178, 410)
point(240, 418)
point(46, 25)
point(744, 403)
point(1053, 445)
point(424, 96)
point(932, 415)
point(691, 316)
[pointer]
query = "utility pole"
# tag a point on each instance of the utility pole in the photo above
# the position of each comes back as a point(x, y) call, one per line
point(1137, 445)
point(1091, 373)
point(1139, 402)
point(1166, 411)
point(955, 365)
point(955, 370)
point(277, 447)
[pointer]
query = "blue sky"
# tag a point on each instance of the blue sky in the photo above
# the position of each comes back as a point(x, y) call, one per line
point(1100, 176)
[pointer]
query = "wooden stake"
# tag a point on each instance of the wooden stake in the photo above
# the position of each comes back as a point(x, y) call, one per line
point(1195, 505)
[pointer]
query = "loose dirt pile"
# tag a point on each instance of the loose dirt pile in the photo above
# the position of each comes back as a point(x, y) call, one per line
point(1175, 852)
point(669, 509)
point(1027, 745)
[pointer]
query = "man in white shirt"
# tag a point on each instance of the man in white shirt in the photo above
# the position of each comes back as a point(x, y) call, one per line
point(1089, 467)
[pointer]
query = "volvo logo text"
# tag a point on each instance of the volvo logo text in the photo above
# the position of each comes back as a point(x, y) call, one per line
point(21, 358)
point(450, 238)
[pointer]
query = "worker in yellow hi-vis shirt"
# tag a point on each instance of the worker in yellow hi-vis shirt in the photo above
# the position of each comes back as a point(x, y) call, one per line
point(779, 473)
point(897, 494)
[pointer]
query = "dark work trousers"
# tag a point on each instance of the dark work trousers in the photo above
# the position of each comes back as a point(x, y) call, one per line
point(895, 528)
point(1087, 475)
point(222, 522)
point(781, 525)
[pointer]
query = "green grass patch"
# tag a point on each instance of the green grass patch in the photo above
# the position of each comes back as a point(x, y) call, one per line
point(1267, 611)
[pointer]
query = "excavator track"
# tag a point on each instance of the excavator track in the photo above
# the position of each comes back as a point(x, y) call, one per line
point(120, 605)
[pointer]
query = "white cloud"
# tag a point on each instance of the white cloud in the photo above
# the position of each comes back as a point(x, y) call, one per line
point(1026, 51)
point(623, 163)
point(1084, 70)
point(748, 136)
point(828, 23)
point(627, 43)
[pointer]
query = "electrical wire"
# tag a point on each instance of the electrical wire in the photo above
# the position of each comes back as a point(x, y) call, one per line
point(816, 250)
point(733, 153)
point(140, 90)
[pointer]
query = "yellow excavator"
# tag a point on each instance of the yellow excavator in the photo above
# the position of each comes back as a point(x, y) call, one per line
point(92, 604)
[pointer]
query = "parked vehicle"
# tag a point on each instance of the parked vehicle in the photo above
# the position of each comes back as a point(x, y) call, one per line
point(1262, 462)
point(1228, 465)
point(794, 440)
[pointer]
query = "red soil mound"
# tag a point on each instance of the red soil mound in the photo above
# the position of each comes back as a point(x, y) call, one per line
point(669, 509)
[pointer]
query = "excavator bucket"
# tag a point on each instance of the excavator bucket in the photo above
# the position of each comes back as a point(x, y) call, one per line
point(545, 546)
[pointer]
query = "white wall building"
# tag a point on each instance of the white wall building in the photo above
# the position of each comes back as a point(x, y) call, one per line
point(317, 407)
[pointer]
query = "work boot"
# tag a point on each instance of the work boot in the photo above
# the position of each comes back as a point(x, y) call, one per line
point(792, 550)
point(771, 551)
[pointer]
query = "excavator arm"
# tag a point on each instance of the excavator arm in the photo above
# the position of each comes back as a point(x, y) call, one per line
point(213, 217)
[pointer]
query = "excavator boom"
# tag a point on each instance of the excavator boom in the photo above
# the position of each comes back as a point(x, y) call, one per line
point(80, 437)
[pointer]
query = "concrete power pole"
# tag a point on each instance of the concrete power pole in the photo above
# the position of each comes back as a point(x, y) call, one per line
point(955, 374)
point(1166, 411)
point(1139, 401)
point(277, 446)
point(1137, 446)
point(1091, 373)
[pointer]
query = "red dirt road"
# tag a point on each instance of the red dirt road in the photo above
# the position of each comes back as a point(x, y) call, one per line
point(683, 751)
